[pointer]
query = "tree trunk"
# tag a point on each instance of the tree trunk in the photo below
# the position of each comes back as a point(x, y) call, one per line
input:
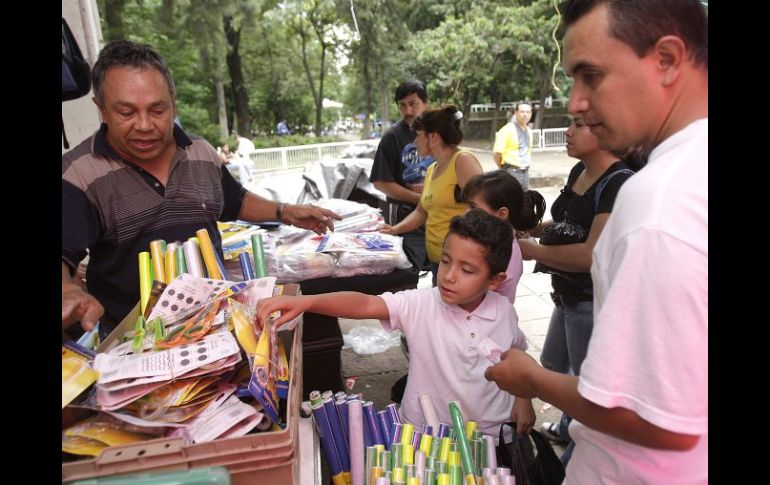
point(316, 99)
point(233, 37)
point(385, 105)
point(368, 99)
point(166, 16)
point(219, 86)
point(495, 112)
point(113, 15)
point(542, 85)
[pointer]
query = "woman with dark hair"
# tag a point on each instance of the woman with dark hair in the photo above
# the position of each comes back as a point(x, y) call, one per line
point(438, 135)
point(566, 242)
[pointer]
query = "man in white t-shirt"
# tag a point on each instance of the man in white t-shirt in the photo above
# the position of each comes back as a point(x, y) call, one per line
point(641, 402)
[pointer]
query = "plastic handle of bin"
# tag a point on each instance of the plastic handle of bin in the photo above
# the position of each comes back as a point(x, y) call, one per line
point(172, 447)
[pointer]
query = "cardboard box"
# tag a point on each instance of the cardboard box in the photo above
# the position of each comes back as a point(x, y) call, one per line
point(263, 457)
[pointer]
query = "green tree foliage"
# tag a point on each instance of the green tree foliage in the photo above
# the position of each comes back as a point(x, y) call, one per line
point(246, 64)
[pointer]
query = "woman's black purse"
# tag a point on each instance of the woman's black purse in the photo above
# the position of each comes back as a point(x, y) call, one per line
point(543, 468)
point(558, 233)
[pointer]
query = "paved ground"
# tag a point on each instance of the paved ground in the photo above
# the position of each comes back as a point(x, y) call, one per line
point(375, 374)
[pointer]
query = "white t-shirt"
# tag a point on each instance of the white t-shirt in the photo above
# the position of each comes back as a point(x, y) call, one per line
point(442, 354)
point(513, 274)
point(649, 347)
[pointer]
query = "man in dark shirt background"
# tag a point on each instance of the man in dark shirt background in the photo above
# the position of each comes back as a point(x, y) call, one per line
point(399, 172)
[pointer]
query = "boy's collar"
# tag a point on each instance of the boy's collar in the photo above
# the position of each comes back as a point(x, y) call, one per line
point(486, 309)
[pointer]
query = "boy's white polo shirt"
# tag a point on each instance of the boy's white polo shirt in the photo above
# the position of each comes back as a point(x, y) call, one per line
point(442, 354)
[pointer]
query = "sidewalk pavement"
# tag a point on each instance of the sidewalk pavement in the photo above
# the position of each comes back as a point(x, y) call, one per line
point(374, 374)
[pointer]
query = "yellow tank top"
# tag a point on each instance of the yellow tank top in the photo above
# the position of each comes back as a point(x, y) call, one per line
point(438, 200)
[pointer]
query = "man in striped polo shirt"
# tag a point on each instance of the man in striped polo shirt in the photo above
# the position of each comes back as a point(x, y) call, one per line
point(140, 177)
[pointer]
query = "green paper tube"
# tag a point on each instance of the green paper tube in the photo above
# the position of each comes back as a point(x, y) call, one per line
point(145, 280)
point(462, 442)
point(429, 477)
point(258, 251)
point(478, 455)
point(410, 471)
point(181, 263)
point(430, 462)
point(455, 475)
point(442, 467)
point(387, 460)
point(370, 460)
point(398, 455)
point(435, 446)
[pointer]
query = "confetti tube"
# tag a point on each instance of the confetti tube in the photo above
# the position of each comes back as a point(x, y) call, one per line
point(145, 282)
point(157, 251)
point(209, 254)
point(181, 263)
point(248, 271)
point(339, 437)
point(258, 249)
point(428, 410)
point(193, 256)
point(356, 437)
point(462, 443)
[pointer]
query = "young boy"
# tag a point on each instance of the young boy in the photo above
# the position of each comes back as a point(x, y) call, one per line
point(444, 325)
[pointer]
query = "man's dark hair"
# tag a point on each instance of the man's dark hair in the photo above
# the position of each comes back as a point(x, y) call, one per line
point(411, 86)
point(641, 23)
point(519, 104)
point(495, 235)
point(127, 53)
point(443, 121)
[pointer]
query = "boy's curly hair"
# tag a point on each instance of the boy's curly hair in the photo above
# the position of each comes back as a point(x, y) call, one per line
point(495, 235)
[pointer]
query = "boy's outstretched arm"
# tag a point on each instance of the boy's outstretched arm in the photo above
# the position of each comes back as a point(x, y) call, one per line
point(345, 304)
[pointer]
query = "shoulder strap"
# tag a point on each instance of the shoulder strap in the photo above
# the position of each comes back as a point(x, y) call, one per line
point(603, 183)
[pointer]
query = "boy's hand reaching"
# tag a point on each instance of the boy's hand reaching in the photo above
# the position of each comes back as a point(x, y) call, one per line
point(289, 306)
point(524, 414)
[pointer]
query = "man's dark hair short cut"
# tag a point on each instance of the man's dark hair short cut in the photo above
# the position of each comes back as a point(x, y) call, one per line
point(127, 53)
point(641, 23)
point(495, 235)
point(409, 87)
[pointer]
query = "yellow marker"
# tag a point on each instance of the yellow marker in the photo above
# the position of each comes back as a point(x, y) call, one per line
point(145, 282)
point(170, 265)
point(207, 250)
point(442, 479)
point(443, 452)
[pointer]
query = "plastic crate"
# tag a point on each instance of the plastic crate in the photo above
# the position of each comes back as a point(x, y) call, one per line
point(263, 457)
point(199, 476)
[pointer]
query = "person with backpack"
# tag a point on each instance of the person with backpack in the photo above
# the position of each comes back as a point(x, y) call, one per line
point(579, 215)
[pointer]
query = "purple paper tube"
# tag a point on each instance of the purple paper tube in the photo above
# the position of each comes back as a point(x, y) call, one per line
point(368, 440)
point(342, 411)
point(374, 427)
point(392, 410)
point(339, 437)
point(416, 435)
point(356, 430)
point(382, 418)
point(427, 429)
point(327, 440)
point(443, 430)
point(246, 268)
point(395, 436)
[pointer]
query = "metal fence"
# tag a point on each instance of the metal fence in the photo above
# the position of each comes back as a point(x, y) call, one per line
point(268, 159)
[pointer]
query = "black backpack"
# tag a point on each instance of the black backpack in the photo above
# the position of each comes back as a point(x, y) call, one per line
point(75, 71)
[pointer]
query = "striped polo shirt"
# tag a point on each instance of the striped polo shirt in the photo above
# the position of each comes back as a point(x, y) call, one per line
point(113, 208)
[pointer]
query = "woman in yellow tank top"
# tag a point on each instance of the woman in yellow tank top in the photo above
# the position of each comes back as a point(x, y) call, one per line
point(438, 135)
